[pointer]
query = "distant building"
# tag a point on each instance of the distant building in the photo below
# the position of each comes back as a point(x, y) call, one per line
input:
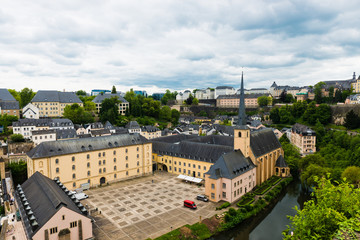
point(94, 160)
point(8, 104)
point(353, 99)
point(31, 111)
point(49, 211)
point(26, 126)
point(223, 90)
point(255, 91)
point(95, 92)
point(202, 94)
point(232, 101)
point(158, 96)
point(53, 103)
point(133, 127)
point(150, 132)
point(141, 92)
point(303, 138)
point(181, 97)
point(123, 105)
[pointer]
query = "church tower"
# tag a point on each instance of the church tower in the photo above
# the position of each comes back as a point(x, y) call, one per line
point(241, 131)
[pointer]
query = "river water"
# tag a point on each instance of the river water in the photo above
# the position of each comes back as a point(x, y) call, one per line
point(270, 223)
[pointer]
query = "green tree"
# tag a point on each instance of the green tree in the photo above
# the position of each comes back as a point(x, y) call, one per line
point(274, 115)
point(80, 93)
point(310, 115)
point(19, 172)
point(26, 95)
point(109, 110)
point(331, 94)
point(189, 100)
point(168, 96)
point(90, 106)
point(352, 175)
point(313, 172)
point(263, 101)
point(318, 92)
point(195, 101)
point(7, 120)
point(165, 113)
point(15, 94)
point(332, 213)
point(175, 115)
point(113, 90)
point(338, 96)
point(77, 114)
point(352, 121)
point(17, 138)
point(323, 113)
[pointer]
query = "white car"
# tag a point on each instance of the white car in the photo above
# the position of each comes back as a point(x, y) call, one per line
point(81, 196)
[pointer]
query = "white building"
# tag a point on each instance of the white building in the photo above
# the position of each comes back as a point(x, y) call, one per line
point(223, 90)
point(183, 96)
point(205, 94)
point(254, 91)
point(30, 111)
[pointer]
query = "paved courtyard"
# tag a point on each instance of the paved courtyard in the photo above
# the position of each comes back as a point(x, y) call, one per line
point(145, 207)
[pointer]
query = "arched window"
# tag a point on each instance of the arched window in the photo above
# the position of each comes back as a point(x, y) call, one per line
point(41, 164)
point(240, 134)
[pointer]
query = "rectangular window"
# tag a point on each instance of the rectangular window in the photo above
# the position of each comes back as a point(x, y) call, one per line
point(224, 194)
point(53, 230)
point(224, 185)
point(212, 195)
point(73, 224)
point(212, 186)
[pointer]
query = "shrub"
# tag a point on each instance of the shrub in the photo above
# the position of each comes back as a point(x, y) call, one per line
point(17, 138)
point(224, 205)
point(232, 212)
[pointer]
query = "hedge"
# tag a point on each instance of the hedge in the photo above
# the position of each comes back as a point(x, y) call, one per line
point(224, 205)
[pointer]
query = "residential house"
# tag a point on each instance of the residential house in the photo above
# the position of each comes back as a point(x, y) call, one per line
point(53, 103)
point(208, 93)
point(31, 111)
point(150, 132)
point(122, 105)
point(304, 138)
point(8, 104)
point(49, 211)
point(181, 97)
point(223, 90)
point(133, 127)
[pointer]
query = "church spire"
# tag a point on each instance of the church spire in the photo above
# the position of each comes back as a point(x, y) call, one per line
point(242, 114)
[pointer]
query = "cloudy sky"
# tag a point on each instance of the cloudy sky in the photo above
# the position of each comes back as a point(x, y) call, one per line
point(185, 44)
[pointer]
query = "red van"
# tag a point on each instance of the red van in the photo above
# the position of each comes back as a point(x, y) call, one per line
point(189, 204)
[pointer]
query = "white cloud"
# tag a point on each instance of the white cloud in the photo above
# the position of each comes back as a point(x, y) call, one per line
point(156, 45)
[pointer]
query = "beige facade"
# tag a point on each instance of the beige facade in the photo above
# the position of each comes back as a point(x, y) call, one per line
point(12, 112)
point(233, 101)
point(78, 226)
point(52, 109)
point(151, 135)
point(122, 107)
point(179, 165)
point(303, 138)
point(95, 167)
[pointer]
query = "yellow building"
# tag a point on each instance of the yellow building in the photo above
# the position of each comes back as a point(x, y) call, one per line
point(92, 161)
point(304, 138)
point(123, 105)
point(53, 103)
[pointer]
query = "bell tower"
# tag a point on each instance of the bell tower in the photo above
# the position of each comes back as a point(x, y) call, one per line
point(241, 130)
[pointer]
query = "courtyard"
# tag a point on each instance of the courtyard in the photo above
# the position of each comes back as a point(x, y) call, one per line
point(145, 207)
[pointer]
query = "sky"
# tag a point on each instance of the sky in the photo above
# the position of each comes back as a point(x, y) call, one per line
point(156, 45)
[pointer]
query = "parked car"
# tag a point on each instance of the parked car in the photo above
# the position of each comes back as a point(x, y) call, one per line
point(81, 196)
point(189, 204)
point(202, 198)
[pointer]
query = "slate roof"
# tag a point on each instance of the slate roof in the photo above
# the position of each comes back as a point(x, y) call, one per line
point(108, 125)
point(342, 84)
point(224, 87)
point(56, 96)
point(100, 132)
point(9, 105)
point(191, 150)
point(230, 165)
point(40, 132)
point(263, 141)
point(66, 133)
point(274, 85)
point(6, 96)
point(149, 128)
point(280, 162)
point(101, 97)
point(55, 148)
point(63, 122)
point(133, 125)
point(174, 138)
point(45, 197)
point(303, 130)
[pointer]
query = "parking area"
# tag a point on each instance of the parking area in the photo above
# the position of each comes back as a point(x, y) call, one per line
point(145, 207)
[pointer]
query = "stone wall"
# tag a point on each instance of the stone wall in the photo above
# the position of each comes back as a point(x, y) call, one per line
point(338, 112)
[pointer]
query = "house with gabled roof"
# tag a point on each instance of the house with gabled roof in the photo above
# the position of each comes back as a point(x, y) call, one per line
point(49, 210)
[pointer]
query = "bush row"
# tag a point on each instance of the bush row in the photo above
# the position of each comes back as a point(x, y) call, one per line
point(224, 205)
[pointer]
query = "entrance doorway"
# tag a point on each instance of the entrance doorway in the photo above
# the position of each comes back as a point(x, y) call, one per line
point(102, 180)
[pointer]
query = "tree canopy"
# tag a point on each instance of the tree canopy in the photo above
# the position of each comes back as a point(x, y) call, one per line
point(109, 110)
point(77, 114)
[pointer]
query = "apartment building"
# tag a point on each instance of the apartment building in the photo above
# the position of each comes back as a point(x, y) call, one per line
point(233, 101)
point(150, 132)
point(123, 105)
point(8, 104)
point(53, 103)
point(92, 161)
point(26, 126)
point(304, 138)
point(49, 211)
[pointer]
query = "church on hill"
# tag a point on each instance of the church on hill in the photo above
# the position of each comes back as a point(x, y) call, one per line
point(231, 166)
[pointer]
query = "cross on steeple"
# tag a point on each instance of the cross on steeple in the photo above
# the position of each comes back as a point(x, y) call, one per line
point(242, 114)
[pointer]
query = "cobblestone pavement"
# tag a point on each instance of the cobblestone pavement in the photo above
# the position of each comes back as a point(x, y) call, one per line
point(145, 207)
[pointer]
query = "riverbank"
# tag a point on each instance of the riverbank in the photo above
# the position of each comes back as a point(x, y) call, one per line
point(239, 213)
